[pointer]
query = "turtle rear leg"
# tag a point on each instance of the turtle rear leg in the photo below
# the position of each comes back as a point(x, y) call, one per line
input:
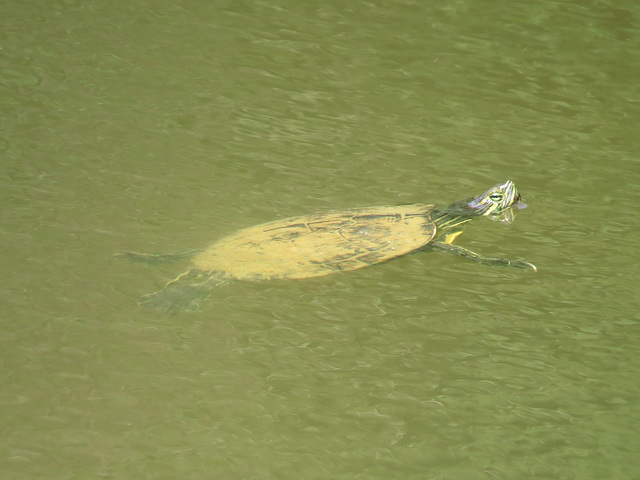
point(156, 258)
point(184, 293)
point(465, 253)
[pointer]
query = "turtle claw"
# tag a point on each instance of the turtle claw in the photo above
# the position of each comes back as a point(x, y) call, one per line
point(506, 263)
point(521, 264)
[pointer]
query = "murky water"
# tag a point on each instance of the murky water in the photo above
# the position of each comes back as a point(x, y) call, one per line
point(161, 126)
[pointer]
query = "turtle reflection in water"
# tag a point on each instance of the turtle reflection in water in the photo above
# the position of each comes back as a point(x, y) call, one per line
point(324, 243)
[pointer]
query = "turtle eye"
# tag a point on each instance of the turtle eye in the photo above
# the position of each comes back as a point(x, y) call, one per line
point(496, 197)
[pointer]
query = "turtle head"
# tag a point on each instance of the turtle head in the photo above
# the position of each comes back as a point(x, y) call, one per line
point(496, 203)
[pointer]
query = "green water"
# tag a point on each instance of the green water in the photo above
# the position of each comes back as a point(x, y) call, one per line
point(161, 126)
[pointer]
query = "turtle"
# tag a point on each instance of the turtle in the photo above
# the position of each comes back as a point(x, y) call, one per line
point(328, 242)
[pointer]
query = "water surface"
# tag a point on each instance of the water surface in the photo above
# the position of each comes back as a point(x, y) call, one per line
point(160, 126)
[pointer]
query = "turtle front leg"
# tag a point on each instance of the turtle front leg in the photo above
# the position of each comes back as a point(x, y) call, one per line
point(465, 253)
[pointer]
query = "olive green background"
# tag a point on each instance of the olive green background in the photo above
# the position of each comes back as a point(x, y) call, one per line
point(162, 125)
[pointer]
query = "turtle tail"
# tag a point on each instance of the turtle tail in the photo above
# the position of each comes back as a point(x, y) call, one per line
point(156, 258)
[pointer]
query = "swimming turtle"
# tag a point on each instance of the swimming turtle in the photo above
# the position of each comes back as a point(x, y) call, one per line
point(323, 243)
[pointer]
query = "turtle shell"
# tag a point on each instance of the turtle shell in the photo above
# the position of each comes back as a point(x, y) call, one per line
point(319, 244)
